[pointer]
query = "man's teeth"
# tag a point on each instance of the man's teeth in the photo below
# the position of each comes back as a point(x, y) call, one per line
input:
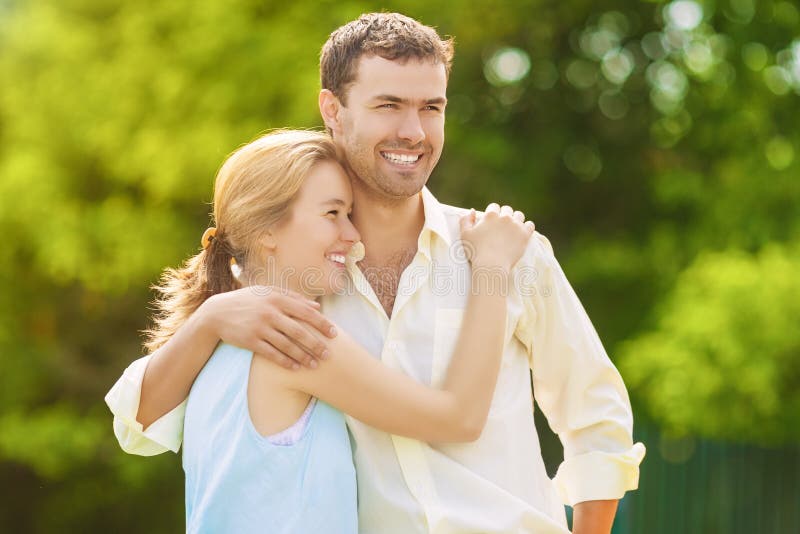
point(402, 159)
point(338, 258)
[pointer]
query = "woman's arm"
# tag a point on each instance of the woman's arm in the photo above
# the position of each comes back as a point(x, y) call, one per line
point(360, 385)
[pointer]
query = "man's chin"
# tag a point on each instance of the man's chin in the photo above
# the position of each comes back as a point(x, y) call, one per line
point(401, 185)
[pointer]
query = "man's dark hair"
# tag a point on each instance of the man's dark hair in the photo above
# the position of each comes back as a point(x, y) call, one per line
point(391, 36)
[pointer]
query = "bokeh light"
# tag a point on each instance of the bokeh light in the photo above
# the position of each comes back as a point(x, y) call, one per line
point(583, 161)
point(669, 86)
point(581, 73)
point(779, 152)
point(755, 56)
point(617, 65)
point(684, 15)
point(507, 66)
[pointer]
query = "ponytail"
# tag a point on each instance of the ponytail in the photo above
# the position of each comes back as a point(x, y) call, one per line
point(181, 291)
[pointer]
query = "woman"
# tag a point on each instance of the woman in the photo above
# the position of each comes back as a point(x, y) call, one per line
point(266, 449)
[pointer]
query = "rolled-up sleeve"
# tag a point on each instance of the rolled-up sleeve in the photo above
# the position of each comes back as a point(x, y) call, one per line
point(576, 386)
point(165, 434)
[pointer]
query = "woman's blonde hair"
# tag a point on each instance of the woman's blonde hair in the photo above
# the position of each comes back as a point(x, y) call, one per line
point(253, 190)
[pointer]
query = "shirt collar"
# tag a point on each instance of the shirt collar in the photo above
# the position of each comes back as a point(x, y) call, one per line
point(435, 221)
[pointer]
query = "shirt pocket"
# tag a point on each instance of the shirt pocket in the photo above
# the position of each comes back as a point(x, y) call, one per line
point(447, 326)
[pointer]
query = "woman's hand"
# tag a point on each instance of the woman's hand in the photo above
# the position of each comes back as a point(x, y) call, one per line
point(497, 239)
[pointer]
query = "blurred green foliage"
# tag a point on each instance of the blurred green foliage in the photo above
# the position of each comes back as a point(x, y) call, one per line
point(723, 360)
point(654, 143)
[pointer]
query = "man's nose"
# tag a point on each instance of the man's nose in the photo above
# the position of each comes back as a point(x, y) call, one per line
point(411, 128)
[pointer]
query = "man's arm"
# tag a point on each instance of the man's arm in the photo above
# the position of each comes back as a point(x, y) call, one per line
point(278, 325)
point(579, 391)
point(594, 517)
point(147, 400)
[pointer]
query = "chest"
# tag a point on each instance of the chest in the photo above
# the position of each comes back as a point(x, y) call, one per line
point(428, 300)
point(384, 276)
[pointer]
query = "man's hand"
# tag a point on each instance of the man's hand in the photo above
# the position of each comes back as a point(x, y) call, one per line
point(280, 325)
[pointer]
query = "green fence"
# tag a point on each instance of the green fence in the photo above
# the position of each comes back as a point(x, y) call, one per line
point(696, 486)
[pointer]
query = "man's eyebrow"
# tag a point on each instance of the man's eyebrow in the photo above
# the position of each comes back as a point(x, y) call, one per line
point(392, 98)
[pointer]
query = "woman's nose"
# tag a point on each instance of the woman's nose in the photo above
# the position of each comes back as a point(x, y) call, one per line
point(349, 232)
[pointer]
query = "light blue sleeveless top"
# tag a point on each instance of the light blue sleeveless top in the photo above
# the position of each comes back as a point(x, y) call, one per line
point(239, 482)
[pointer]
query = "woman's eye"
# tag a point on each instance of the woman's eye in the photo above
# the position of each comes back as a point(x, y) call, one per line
point(333, 212)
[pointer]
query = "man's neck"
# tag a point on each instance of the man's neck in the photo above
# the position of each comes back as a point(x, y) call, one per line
point(387, 227)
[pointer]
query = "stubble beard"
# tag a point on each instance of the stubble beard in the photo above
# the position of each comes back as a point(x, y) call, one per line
point(379, 186)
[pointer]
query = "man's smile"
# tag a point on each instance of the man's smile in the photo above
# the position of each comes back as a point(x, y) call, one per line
point(404, 159)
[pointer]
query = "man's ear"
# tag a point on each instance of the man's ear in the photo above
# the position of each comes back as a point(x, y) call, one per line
point(329, 107)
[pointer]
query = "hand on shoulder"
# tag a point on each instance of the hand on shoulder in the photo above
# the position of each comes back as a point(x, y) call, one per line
point(496, 239)
point(281, 325)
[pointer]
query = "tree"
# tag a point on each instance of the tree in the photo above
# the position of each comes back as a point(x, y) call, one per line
point(654, 143)
point(723, 358)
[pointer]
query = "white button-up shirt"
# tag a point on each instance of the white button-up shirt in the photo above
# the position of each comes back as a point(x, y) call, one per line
point(497, 484)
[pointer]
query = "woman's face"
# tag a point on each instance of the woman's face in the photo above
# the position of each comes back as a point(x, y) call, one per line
point(307, 250)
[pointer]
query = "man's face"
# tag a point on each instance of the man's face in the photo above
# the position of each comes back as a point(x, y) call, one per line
point(392, 129)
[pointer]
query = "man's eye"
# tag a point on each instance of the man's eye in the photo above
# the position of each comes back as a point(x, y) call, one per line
point(333, 212)
point(388, 106)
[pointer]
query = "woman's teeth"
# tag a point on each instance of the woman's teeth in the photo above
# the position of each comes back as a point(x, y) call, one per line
point(400, 159)
point(338, 258)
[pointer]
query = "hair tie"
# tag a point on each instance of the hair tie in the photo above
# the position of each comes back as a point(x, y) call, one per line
point(208, 237)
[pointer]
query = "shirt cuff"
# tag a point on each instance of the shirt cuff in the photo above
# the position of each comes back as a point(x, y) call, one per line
point(165, 434)
point(597, 476)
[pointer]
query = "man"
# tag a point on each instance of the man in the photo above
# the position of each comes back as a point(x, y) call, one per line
point(384, 81)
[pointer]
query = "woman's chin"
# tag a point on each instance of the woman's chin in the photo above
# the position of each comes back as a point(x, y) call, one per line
point(320, 281)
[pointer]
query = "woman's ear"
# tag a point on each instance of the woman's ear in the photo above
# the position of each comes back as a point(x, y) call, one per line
point(329, 106)
point(269, 241)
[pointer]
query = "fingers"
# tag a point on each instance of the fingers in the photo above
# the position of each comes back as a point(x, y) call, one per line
point(494, 210)
point(272, 354)
point(302, 298)
point(289, 330)
point(467, 221)
point(289, 347)
point(506, 211)
point(304, 336)
point(530, 227)
point(313, 317)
